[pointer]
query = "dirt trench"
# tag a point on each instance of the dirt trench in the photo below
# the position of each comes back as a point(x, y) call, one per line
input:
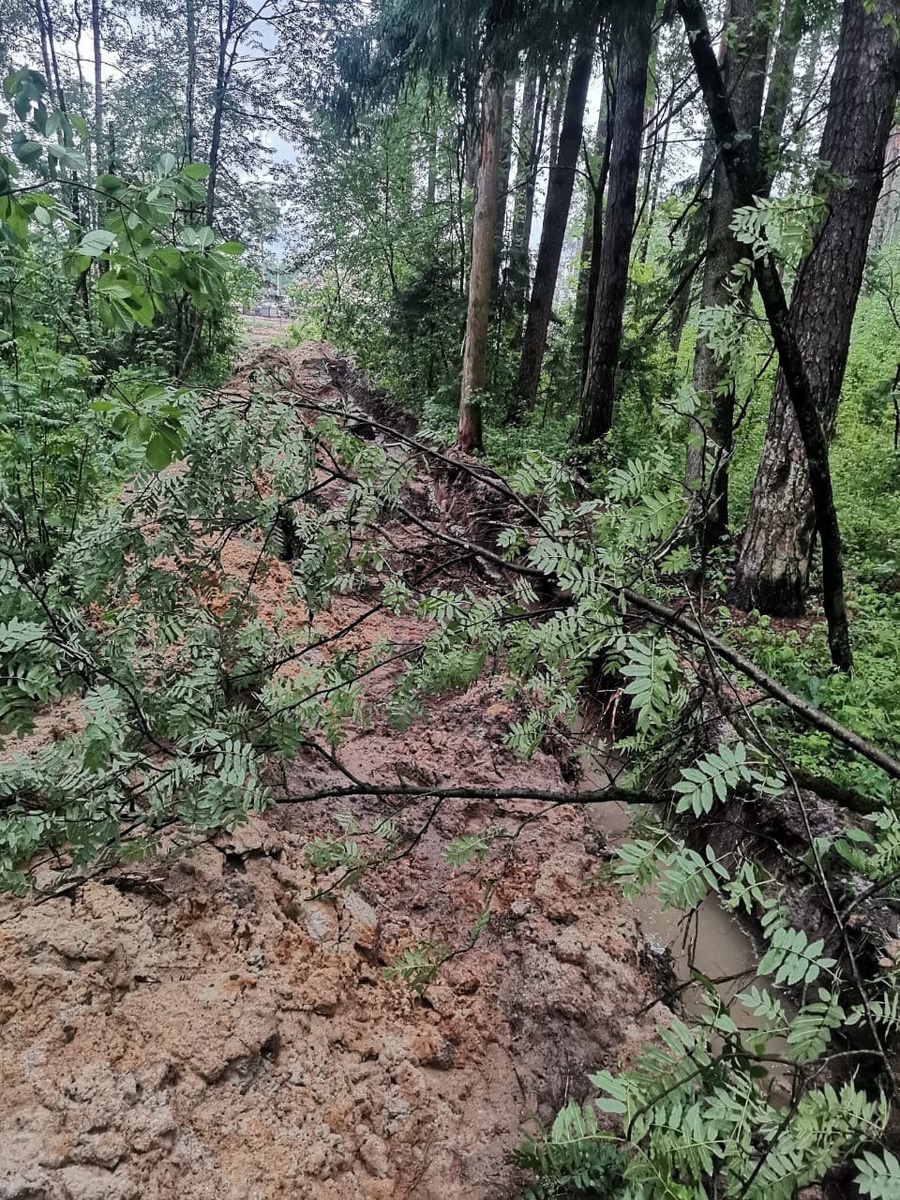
point(225, 1026)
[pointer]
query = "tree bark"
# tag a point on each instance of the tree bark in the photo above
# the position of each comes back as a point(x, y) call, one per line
point(191, 81)
point(592, 234)
point(531, 136)
point(98, 82)
point(226, 53)
point(773, 570)
point(553, 230)
point(634, 37)
point(484, 216)
point(747, 179)
point(743, 68)
point(781, 82)
point(503, 174)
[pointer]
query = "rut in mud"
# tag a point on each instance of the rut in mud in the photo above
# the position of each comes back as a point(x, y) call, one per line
point(223, 1025)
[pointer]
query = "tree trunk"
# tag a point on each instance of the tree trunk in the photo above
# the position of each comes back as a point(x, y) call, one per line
point(559, 100)
point(744, 75)
point(690, 259)
point(747, 178)
point(773, 569)
point(553, 230)
point(531, 137)
point(592, 234)
point(226, 53)
point(597, 397)
point(503, 173)
point(484, 216)
point(98, 82)
point(191, 82)
point(781, 82)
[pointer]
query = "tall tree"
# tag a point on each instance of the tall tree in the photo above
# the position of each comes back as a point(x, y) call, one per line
point(743, 66)
point(592, 234)
point(747, 178)
point(474, 371)
point(633, 41)
point(773, 569)
point(503, 174)
point(553, 230)
point(530, 144)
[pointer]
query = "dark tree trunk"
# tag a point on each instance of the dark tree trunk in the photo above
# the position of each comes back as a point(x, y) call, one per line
point(747, 178)
point(531, 139)
point(556, 113)
point(691, 257)
point(592, 234)
point(553, 230)
point(744, 75)
point(484, 216)
point(773, 569)
point(226, 53)
point(633, 40)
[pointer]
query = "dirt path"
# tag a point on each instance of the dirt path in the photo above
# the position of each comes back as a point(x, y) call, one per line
point(209, 1028)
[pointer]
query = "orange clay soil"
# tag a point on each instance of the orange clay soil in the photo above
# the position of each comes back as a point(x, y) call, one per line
point(222, 1027)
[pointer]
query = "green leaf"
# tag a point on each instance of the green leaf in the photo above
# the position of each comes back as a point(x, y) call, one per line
point(27, 152)
point(195, 171)
point(95, 243)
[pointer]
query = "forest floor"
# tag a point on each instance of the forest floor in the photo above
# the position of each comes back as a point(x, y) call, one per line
point(214, 1026)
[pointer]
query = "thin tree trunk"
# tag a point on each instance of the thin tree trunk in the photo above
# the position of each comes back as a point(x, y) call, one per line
point(517, 270)
point(191, 81)
point(781, 82)
point(531, 140)
point(224, 62)
point(431, 142)
point(692, 254)
point(553, 231)
point(597, 397)
point(484, 216)
point(807, 90)
point(593, 279)
point(559, 100)
point(503, 174)
point(98, 81)
point(592, 233)
point(773, 570)
point(744, 76)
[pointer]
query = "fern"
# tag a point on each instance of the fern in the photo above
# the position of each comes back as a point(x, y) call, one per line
point(878, 1176)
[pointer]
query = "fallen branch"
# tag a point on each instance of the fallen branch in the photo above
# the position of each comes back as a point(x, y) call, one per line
point(809, 713)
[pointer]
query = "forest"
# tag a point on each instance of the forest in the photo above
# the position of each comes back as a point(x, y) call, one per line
point(450, 599)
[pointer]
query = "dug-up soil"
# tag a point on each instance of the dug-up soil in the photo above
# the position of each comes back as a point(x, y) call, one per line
point(225, 1025)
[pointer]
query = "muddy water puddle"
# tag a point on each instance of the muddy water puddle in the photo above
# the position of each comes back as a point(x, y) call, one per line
point(709, 942)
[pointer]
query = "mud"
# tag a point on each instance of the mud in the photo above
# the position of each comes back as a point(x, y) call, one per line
point(234, 1025)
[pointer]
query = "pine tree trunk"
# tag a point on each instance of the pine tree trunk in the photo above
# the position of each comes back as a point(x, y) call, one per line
point(597, 398)
point(484, 216)
point(773, 569)
point(744, 74)
point(553, 230)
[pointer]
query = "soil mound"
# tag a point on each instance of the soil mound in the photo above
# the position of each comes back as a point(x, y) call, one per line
point(238, 1026)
